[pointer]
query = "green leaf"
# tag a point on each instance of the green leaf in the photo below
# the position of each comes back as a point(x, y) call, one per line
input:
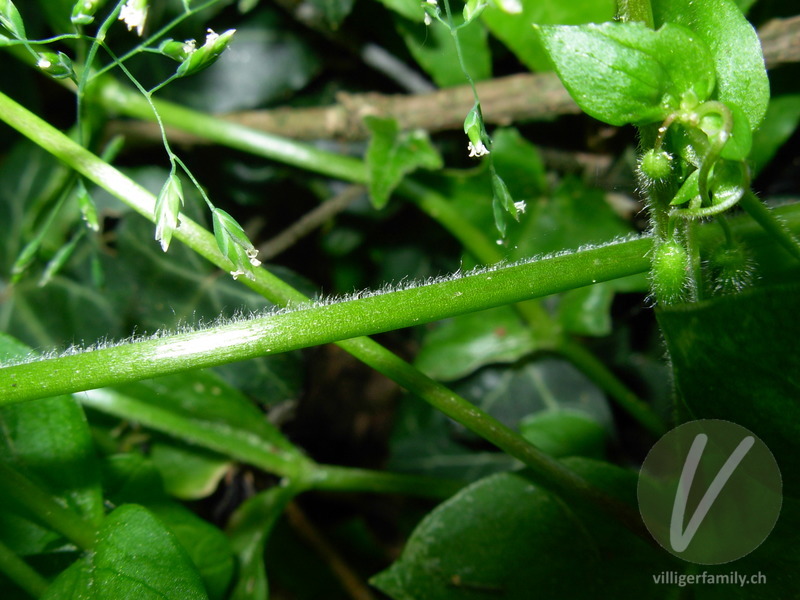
point(424, 441)
point(505, 536)
point(204, 401)
point(519, 163)
point(734, 45)
point(392, 155)
point(132, 479)
point(514, 29)
point(732, 358)
point(565, 433)
point(781, 120)
point(249, 530)
point(136, 557)
point(410, 9)
point(189, 473)
point(433, 49)
point(624, 73)
point(456, 347)
point(49, 440)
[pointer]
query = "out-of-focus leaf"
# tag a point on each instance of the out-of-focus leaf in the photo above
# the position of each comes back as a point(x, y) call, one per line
point(391, 155)
point(265, 63)
point(783, 115)
point(735, 358)
point(565, 433)
point(249, 530)
point(48, 441)
point(333, 12)
point(424, 441)
point(547, 384)
point(456, 347)
point(493, 536)
point(514, 29)
point(518, 162)
point(130, 478)
point(410, 9)
point(189, 473)
point(433, 49)
point(204, 400)
point(136, 556)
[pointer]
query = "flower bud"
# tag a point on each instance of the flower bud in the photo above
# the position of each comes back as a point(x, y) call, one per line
point(58, 66)
point(473, 9)
point(84, 10)
point(233, 242)
point(473, 127)
point(168, 208)
point(178, 51)
point(207, 54)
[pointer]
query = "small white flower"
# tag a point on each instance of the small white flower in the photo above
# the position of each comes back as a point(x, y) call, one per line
point(428, 19)
point(189, 46)
point(134, 14)
point(520, 206)
point(251, 255)
point(479, 150)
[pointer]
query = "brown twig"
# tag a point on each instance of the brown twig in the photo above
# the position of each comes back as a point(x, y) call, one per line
point(504, 100)
point(351, 582)
point(309, 222)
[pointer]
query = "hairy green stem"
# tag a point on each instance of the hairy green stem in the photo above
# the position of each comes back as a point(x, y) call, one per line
point(366, 350)
point(314, 325)
point(41, 506)
point(20, 572)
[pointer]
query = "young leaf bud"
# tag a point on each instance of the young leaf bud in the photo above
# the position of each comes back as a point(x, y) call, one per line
point(732, 269)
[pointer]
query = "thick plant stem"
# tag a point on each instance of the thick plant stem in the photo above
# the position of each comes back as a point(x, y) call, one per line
point(18, 571)
point(312, 325)
point(42, 506)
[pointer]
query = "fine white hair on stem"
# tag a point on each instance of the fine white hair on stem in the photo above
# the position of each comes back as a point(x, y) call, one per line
point(241, 316)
